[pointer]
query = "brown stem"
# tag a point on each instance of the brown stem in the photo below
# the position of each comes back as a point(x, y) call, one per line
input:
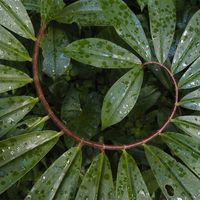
point(70, 133)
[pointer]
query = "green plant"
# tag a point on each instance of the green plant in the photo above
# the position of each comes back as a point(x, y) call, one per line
point(168, 168)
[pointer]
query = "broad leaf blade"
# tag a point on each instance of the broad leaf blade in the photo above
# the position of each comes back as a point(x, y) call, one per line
point(191, 100)
point(12, 110)
point(33, 5)
point(130, 184)
point(188, 49)
point(11, 48)
point(55, 62)
point(11, 78)
point(98, 182)
point(189, 124)
point(13, 16)
point(62, 178)
point(127, 26)
point(84, 13)
point(163, 22)
point(191, 77)
point(185, 147)
point(121, 97)
point(174, 179)
point(20, 154)
point(101, 53)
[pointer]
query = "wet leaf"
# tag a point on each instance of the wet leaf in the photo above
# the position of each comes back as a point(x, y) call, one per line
point(188, 49)
point(98, 182)
point(60, 180)
point(12, 110)
point(11, 48)
point(84, 13)
point(11, 78)
point(142, 3)
point(121, 97)
point(185, 147)
point(174, 179)
point(191, 100)
point(18, 155)
point(127, 26)
point(55, 62)
point(101, 53)
point(163, 22)
point(14, 17)
point(130, 184)
point(191, 78)
point(189, 124)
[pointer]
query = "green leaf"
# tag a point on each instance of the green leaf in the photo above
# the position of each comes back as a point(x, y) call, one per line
point(191, 77)
point(32, 5)
point(130, 184)
point(121, 97)
point(142, 3)
point(84, 13)
point(185, 147)
point(127, 26)
point(189, 124)
point(98, 182)
point(61, 179)
point(188, 49)
point(11, 48)
point(163, 22)
point(101, 53)
point(50, 9)
point(191, 100)
point(55, 62)
point(174, 179)
point(12, 110)
point(14, 17)
point(18, 155)
point(11, 78)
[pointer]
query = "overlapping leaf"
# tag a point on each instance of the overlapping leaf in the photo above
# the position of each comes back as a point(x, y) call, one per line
point(174, 179)
point(130, 184)
point(142, 3)
point(187, 148)
point(61, 178)
point(11, 78)
point(101, 53)
point(97, 183)
point(13, 16)
point(121, 97)
point(127, 26)
point(12, 110)
point(191, 100)
point(20, 154)
point(189, 124)
point(32, 5)
point(163, 22)
point(188, 49)
point(11, 48)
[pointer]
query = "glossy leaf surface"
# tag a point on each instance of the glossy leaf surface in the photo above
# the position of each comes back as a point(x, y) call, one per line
point(127, 26)
point(11, 48)
point(189, 124)
point(97, 183)
point(185, 147)
point(130, 184)
point(188, 49)
point(191, 100)
point(84, 13)
point(11, 78)
point(174, 179)
point(55, 62)
point(60, 181)
point(163, 22)
point(121, 97)
point(101, 53)
point(12, 110)
point(14, 17)
point(20, 154)
point(191, 78)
